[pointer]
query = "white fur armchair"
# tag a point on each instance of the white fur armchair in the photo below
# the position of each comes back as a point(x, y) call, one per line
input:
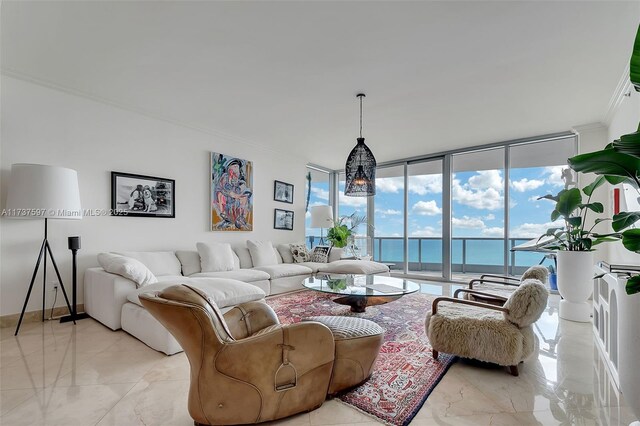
point(498, 334)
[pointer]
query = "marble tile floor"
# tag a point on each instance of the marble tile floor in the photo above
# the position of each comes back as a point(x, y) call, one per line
point(60, 374)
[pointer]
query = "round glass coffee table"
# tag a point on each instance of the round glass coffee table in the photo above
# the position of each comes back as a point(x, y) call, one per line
point(360, 291)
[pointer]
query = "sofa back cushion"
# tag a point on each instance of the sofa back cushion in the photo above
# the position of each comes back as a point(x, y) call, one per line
point(285, 253)
point(262, 253)
point(190, 261)
point(527, 303)
point(216, 257)
point(158, 262)
point(127, 267)
point(244, 257)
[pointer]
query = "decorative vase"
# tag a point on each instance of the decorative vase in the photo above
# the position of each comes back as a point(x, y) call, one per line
point(575, 284)
point(629, 353)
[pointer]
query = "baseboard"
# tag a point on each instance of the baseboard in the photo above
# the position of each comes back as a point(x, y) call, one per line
point(35, 316)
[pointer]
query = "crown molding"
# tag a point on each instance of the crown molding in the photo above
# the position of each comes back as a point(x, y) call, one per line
point(622, 89)
point(99, 99)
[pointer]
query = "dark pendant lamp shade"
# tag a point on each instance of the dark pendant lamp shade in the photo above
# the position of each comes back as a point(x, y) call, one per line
point(360, 169)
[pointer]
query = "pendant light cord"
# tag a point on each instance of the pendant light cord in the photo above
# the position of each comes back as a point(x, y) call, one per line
point(360, 96)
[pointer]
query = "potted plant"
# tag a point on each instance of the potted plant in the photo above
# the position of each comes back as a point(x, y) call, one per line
point(340, 233)
point(574, 243)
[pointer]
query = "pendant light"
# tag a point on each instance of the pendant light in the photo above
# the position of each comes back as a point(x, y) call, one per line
point(360, 169)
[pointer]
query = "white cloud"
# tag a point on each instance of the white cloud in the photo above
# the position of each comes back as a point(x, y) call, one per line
point(426, 208)
point(524, 185)
point(388, 212)
point(554, 175)
point(489, 199)
point(467, 222)
point(534, 230)
point(486, 179)
point(427, 231)
point(355, 202)
point(490, 216)
point(320, 193)
point(425, 184)
point(494, 231)
point(391, 184)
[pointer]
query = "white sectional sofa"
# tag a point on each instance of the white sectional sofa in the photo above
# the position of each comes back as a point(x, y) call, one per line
point(113, 299)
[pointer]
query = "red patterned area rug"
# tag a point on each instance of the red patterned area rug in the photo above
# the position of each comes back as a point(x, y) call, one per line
point(405, 372)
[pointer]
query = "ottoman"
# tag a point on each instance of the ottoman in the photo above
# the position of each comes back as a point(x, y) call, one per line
point(357, 343)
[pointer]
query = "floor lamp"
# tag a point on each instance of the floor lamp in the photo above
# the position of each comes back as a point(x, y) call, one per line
point(321, 217)
point(37, 191)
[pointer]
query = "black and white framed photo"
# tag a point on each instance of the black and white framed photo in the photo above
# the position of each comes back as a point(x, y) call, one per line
point(283, 192)
point(144, 196)
point(283, 219)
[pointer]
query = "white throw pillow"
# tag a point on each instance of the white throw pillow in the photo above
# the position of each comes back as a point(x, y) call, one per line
point(128, 268)
point(262, 253)
point(285, 253)
point(216, 257)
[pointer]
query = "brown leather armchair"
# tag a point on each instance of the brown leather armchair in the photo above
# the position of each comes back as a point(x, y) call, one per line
point(245, 366)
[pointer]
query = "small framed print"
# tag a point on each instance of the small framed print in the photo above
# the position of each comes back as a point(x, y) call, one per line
point(283, 219)
point(283, 192)
point(143, 196)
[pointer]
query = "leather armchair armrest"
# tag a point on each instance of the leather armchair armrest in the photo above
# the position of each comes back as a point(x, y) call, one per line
point(434, 305)
point(248, 318)
point(305, 345)
point(479, 293)
point(496, 281)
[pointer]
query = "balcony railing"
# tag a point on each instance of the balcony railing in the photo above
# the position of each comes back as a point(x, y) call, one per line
point(469, 254)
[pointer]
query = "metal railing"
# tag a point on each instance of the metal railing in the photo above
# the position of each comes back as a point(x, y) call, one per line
point(467, 256)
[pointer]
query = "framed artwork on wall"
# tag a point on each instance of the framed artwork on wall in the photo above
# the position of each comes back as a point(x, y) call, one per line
point(231, 193)
point(143, 196)
point(283, 219)
point(283, 192)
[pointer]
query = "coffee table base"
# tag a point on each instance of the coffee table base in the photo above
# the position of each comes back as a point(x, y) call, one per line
point(359, 303)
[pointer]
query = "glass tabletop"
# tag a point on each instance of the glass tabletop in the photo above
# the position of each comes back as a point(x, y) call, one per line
point(361, 285)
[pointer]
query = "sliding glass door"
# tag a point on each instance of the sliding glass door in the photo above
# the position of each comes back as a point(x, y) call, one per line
point(388, 214)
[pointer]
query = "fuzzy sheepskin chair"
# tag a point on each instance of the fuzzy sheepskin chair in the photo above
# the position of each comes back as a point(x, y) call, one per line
point(500, 287)
point(501, 335)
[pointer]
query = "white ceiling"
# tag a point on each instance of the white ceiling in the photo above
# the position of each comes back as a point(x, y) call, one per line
point(438, 75)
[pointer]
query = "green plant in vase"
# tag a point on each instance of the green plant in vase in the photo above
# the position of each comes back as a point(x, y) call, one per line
point(340, 233)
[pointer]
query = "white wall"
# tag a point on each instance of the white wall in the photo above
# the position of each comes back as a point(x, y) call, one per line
point(624, 121)
point(47, 126)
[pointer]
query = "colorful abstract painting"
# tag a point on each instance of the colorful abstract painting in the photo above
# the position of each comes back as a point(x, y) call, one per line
point(231, 193)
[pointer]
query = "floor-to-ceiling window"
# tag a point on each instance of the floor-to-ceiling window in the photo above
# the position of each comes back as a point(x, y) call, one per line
point(477, 212)
point(424, 215)
point(535, 170)
point(317, 193)
point(388, 213)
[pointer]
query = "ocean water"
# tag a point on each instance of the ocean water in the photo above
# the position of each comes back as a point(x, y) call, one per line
point(477, 252)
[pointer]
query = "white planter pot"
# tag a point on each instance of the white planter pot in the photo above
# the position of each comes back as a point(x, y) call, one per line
point(575, 284)
point(629, 353)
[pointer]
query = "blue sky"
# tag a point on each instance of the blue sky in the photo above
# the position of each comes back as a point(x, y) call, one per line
point(477, 201)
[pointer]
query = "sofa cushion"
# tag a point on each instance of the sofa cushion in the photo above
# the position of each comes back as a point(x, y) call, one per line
point(285, 252)
point(262, 253)
point(300, 253)
point(284, 270)
point(314, 266)
point(245, 275)
point(225, 292)
point(127, 267)
point(354, 267)
point(244, 257)
point(158, 262)
point(215, 257)
point(190, 261)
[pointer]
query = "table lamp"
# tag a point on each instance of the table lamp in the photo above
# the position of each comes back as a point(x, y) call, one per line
point(321, 217)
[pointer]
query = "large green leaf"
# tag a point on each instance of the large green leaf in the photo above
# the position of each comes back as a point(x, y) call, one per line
point(633, 285)
point(596, 207)
point(568, 201)
point(634, 64)
point(588, 190)
point(575, 221)
point(628, 144)
point(624, 220)
point(631, 240)
point(607, 162)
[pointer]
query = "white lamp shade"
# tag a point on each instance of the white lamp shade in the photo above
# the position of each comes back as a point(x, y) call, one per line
point(321, 217)
point(37, 191)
